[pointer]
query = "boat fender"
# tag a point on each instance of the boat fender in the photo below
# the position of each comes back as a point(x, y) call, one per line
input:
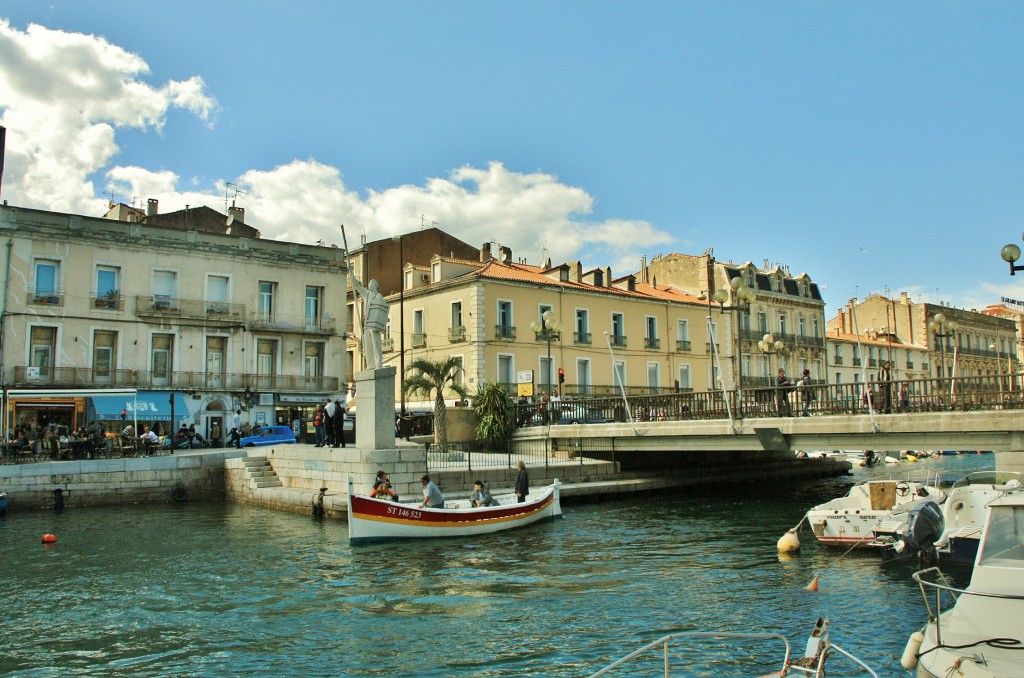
point(178, 494)
point(789, 542)
point(49, 538)
point(909, 658)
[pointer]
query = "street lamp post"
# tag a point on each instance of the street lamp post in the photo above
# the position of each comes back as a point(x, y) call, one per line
point(769, 345)
point(550, 327)
point(401, 328)
point(942, 329)
point(742, 296)
point(1010, 254)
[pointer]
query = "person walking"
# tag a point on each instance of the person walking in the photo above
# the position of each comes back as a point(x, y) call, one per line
point(338, 424)
point(318, 425)
point(329, 410)
point(236, 430)
point(783, 386)
point(884, 403)
point(806, 392)
point(522, 482)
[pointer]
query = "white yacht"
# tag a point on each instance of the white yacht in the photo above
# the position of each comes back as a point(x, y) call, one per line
point(964, 512)
point(982, 634)
point(849, 521)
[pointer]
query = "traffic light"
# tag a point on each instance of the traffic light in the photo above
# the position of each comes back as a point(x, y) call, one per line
point(561, 375)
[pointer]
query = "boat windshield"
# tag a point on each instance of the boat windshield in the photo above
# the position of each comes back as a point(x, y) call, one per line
point(988, 478)
point(1004, 540)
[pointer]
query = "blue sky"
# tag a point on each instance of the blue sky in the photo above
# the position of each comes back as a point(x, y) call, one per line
point(873, 145)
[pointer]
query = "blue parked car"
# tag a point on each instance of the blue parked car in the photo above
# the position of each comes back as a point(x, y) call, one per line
point(270, 435)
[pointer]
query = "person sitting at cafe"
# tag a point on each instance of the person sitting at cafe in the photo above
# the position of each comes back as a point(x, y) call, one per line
point(149, 439)
point(181, 441)
point(482, 495)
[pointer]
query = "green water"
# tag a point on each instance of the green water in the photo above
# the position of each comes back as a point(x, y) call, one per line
point(231, 590)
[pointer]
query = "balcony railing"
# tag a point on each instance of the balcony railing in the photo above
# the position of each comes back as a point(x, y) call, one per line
point(45, 298)
point(838, 360)
point(419, 339)
point(652, 343)
point(581, 338)
point(856, 362)
point(543, 335)
point(910, 364)
point(619, 341)
point(292, 323)
point(457, 333)
point(683, 345)
point(387, 345)
point(507, 332)
point(192, 309)
point(112, 301)
point(872, 362)
point(229, 381)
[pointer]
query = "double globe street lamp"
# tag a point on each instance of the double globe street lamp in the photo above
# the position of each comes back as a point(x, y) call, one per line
point(742, 297)
point(943, 329)
point(548, 328)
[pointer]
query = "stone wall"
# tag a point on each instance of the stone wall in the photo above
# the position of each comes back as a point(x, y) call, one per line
point(96, 482)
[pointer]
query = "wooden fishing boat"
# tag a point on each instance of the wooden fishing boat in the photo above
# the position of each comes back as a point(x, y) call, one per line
point(371, 519)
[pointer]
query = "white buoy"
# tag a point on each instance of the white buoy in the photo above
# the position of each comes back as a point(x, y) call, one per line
point(909, 658)
point(789, 542)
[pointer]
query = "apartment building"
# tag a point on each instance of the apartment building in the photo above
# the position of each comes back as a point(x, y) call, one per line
point(191, 308)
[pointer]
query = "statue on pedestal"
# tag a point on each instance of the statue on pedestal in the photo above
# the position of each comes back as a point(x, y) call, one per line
point(375, 320)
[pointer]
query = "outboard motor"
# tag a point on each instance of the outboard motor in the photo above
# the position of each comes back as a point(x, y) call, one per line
point(924, 526)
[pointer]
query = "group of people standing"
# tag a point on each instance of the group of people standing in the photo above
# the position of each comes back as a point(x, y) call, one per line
point(879, 399)
point(329, 423)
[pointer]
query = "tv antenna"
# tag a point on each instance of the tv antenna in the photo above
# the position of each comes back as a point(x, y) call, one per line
point(227, 187)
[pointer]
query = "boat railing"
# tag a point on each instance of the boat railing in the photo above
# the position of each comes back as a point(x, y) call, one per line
point(788, 664)
point(942, 586)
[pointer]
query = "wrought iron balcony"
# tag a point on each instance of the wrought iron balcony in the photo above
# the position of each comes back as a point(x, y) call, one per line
point(387, 344)
point(652, 343)
point(301, 324)
point(111, 301)
point(457, 333)
point(837, 360)
point(45, 298)
point(619, 340)
point(582, 338)
point(683, 345)
point(192, 309)
point(545, 334)
point(419, 339)
point(856, 362)
point(198, 381)
point(507, 332)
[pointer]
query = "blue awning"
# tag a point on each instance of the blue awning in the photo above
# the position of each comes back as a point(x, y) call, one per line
point(146, 406)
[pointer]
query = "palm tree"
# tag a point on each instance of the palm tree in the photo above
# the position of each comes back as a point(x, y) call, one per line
point(431, 378)
point(496, 413)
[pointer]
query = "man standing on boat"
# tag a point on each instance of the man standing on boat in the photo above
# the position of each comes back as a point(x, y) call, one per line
point(522, 482)
point(432, 497)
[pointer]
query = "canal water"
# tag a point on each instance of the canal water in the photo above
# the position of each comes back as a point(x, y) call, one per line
point(210, 589)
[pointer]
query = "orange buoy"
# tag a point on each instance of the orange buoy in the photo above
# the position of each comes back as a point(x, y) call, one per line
point(813, 586)
point(49, 538)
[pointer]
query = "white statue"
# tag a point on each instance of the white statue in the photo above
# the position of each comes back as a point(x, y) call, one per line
point(375, 320)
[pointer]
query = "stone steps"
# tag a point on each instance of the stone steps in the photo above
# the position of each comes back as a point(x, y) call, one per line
point(260, 473)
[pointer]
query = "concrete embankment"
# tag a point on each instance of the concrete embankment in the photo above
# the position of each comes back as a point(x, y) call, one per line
point(289, 477)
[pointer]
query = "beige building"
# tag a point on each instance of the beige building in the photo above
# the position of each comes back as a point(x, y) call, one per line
point(190, 308)
point(1013, 310)
point(856, 359)
point(788, 307)
point(979, 344)
point(483, 311)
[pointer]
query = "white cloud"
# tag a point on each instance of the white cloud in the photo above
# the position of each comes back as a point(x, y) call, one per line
point(64, 96)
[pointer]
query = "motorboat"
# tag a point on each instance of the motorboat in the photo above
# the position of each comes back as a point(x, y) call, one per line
point(659, 652)
point(849, 521)
point(371, 519)
point(964, 513)
point(982, 634)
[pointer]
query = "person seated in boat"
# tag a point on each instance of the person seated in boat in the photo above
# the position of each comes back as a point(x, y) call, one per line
point(382, 487)
point(432, 497)
point(482, 495)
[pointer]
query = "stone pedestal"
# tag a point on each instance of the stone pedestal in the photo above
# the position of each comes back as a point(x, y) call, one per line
point(375, 409)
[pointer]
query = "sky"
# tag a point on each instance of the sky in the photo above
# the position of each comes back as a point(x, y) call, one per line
point(876, 146)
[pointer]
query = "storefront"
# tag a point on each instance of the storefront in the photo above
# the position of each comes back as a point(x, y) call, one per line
point(38, 408)
point(156, 409)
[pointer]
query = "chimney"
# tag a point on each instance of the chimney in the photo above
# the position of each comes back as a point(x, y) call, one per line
point(506, 254)
point(152, 206)
point(904, 298)
point(643, 269)
point(576, 271)
point(546, 264)
point(842, 321)
point(607, 276)
point(238, 213)
point(485, 252)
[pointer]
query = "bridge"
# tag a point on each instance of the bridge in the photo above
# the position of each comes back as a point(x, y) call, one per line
point(683, 428)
